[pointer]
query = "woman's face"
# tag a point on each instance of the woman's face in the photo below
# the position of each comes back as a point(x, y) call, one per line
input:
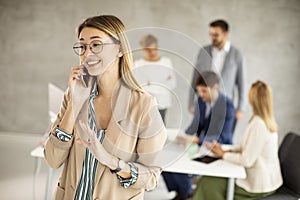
point(151, 51)
point(98, 63)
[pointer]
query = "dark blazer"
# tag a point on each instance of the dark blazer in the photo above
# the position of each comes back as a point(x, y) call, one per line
point(218, 125)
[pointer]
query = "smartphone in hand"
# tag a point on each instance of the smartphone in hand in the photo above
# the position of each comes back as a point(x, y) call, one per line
point(85, 78)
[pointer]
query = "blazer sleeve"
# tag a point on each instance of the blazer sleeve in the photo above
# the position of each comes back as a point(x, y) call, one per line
point(241, 82)
point(194, 126)
point(195, 76)
point(55, 150)
point(252, 146)
point(226, 133)
point(152, 137)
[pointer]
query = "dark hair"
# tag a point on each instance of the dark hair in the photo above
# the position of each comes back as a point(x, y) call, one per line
point(220, 23)
point(207, 79)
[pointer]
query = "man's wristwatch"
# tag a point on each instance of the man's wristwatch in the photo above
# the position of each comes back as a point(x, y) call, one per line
point(121, 166)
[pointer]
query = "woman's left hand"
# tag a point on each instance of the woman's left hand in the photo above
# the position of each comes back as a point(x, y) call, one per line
point(89, 139)
point(215, 147)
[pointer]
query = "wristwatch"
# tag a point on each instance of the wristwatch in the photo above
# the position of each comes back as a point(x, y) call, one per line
point(121, 166)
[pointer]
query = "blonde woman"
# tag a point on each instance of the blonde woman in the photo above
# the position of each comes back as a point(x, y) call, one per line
point(108, 133)
point(257, 153)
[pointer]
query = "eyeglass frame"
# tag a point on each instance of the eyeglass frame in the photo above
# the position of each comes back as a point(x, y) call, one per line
point(85, 46)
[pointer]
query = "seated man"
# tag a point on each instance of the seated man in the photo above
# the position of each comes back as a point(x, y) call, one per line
point(213, 120)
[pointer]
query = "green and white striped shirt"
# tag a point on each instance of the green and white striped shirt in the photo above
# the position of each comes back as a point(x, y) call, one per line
point(86, 184)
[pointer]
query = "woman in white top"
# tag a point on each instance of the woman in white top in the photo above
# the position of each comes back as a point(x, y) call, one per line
point(258, 153)
point(155, 74)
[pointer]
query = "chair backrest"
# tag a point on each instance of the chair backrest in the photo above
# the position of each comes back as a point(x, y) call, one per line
point(55, 97)
point(289, 155)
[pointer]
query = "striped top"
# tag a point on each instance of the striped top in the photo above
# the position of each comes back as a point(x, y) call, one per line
point(86, 183)
point(85, 187)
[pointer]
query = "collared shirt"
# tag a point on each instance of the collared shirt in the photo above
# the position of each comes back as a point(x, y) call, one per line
point(218, 57)
point(85, 186)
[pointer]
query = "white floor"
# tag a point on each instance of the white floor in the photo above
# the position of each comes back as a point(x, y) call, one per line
point(17, 171)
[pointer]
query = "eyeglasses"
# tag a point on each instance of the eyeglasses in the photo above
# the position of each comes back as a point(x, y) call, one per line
point(215, 35)
point(95, 46)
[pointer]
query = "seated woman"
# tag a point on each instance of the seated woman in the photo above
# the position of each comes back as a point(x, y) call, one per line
point(257, 153)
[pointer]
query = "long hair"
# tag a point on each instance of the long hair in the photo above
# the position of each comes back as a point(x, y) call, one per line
point(113, 27)
point(260, 98)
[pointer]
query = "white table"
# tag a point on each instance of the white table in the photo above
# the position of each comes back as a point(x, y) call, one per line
point(184, 164)
point(38, 153)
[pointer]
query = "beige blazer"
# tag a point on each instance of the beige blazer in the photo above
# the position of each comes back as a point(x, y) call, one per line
point(135, 133)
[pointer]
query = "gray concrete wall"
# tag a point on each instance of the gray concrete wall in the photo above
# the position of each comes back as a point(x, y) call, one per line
point(37, 36)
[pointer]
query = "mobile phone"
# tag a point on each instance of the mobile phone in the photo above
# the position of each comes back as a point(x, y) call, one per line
point(206, 159)
point(85, 78)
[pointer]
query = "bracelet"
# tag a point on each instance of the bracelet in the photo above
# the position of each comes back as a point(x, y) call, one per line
point(125, 183)
point(62, 135)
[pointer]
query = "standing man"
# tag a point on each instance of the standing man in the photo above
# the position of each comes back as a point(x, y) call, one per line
point(227, 61)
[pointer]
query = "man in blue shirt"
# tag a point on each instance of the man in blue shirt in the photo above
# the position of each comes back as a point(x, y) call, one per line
point(213, 120)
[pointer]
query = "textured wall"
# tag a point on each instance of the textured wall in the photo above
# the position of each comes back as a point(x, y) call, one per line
point(37, 36)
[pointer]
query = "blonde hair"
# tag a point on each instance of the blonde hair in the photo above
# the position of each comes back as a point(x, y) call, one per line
point(260, 98)
point(147, 40)
point(113, 27)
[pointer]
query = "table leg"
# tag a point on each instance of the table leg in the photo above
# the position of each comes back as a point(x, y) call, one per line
point(36, 172)
point(230, 189)
point(49, 184)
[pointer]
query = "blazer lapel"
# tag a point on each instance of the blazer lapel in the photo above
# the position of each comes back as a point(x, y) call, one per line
point(209, 51)
point(80, 149)
point(226, 62)
point(120, 104)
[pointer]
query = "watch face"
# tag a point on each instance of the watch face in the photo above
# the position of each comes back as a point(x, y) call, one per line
point(121, 164)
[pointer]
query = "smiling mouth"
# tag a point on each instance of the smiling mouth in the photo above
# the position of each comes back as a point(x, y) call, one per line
point(93, 63)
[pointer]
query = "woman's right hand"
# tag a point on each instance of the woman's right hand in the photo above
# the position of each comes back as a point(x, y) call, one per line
point(79, 93)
